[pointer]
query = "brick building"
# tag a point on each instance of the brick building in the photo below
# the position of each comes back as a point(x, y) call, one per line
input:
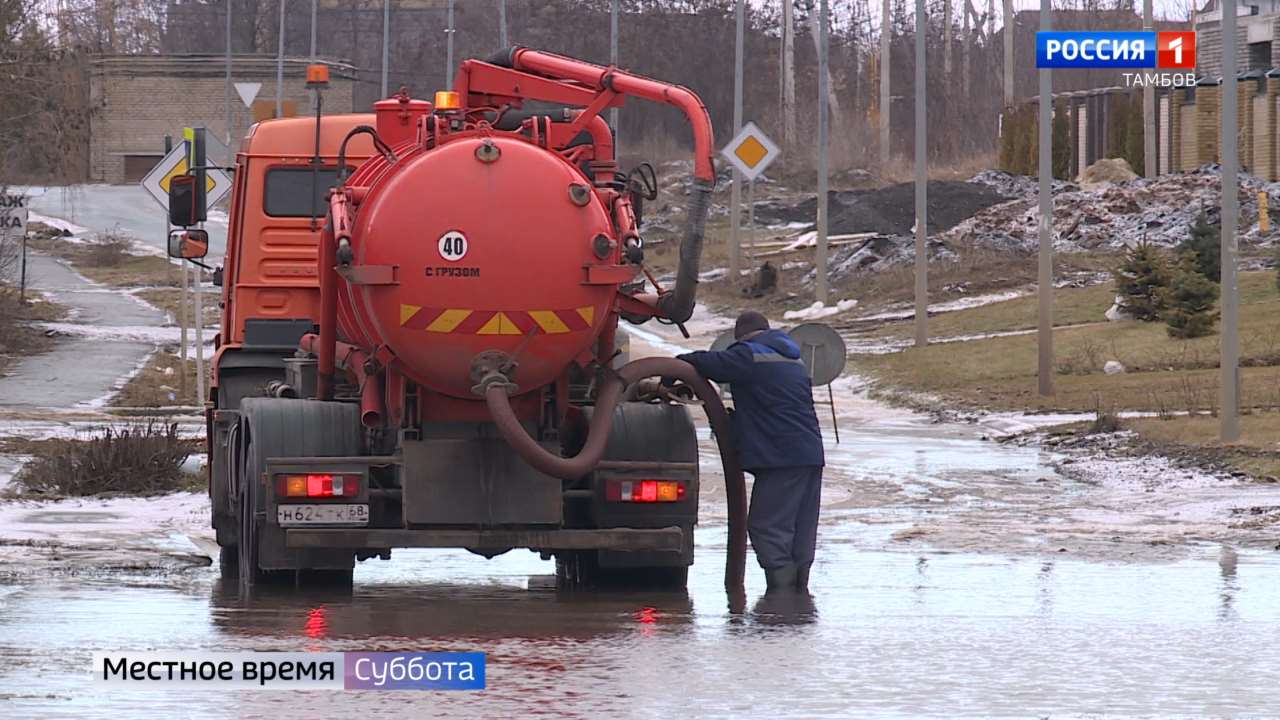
point(1257, 33)
point(137, 99)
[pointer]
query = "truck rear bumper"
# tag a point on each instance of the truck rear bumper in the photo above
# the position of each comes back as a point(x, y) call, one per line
point(668, 539)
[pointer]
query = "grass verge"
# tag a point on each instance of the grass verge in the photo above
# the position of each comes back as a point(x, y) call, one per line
point(160, 383)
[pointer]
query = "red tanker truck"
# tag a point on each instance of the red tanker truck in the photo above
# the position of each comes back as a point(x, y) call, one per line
point(420, 345)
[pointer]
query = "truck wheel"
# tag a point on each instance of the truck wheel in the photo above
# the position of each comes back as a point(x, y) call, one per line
point(234, 386)
point(274, 427)
point(581, 569)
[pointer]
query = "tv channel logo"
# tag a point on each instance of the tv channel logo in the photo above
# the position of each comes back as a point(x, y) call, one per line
point(1116, 49)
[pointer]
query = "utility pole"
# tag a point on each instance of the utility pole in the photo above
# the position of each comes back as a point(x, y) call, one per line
point(313, 29)
point(386, 42)
point(280, 66)
point(502, 24)
point(922, 182)
point(448, 70)
point(226, 96)
point(886, 34)
point(1007, 31)
point(1045, 332)
point(946, 39)
point(1230, 361)
point(788, 74)
point(735, 192)
point(613, 60)
point(1148, 106)
point(823, 149)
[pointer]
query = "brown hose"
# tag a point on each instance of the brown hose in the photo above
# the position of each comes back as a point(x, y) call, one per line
point(598, 436)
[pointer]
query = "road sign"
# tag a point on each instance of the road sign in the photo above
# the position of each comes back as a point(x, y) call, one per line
point(247, 92)
point(751, 151)
point(13, 215)
point(217, 183)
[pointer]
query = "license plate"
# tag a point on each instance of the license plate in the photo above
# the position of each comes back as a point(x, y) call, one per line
point(344, 514)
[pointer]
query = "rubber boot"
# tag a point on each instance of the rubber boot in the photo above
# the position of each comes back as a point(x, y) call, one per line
point(802, 577)
point(780, 578)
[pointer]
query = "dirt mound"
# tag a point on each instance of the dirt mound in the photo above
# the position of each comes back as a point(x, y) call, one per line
point(1107, 170)
point(889, 210)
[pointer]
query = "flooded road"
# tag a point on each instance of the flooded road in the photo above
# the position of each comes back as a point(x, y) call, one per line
point(888, 634)
point(955, 576)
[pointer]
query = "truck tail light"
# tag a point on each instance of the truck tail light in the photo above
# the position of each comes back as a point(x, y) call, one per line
point(645, 491)
point(313, 485)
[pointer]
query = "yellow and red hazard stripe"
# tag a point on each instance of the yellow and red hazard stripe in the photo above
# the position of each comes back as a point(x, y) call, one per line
point(496, 322)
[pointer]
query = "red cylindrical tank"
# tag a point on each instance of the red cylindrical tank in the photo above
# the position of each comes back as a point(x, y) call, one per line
point(491, 239)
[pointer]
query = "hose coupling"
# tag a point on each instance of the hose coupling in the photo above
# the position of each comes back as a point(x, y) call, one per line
point(492, 368)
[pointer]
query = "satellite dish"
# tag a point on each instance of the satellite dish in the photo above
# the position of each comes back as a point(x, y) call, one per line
point(723, 341)
point(822, 350)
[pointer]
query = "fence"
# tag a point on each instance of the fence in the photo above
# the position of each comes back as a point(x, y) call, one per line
point(1090, 125)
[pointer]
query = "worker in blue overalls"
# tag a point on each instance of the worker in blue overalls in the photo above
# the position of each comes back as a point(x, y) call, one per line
point(779, 442)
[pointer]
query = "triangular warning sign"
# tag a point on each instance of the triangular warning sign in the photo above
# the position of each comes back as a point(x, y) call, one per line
point(247, 92)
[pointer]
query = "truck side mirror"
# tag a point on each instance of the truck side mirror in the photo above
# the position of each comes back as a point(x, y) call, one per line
point(182, 201)
point(188, 244)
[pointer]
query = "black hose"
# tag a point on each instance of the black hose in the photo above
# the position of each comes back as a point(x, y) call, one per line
point(611, 392)
point(378, 143)
point(677, 305)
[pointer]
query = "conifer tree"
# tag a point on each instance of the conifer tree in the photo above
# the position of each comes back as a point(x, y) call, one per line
point(1140, 280)
point(1205, 245)
point(1189, 301)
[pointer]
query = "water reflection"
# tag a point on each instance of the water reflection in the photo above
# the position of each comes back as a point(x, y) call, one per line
point(457, 612)
point(785, 608)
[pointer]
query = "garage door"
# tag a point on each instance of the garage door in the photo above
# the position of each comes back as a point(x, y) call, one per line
point(137, 166)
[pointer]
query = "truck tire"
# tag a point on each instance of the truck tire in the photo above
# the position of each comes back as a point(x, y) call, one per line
point(274, 427)
point(233, 387)
point(581, 569)
point(641, 432)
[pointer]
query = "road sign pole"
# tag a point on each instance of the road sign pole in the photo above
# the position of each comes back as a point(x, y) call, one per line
point(613, 60)
point(1045, 291)
point(1229, 383)
point(823, 133)
point(502, 25)
point(22, 282)
point(280, 66)
point(226, 99)
point(735, 192)
point(386, 41)
point(922, 183)
point(751, 220)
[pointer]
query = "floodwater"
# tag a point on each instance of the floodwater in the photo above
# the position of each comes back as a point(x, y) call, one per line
point(885, 634)
point(956, 576)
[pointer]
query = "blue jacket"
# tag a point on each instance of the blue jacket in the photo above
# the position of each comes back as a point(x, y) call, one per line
point(774, 421)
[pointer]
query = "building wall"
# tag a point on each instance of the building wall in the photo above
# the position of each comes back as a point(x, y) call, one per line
point(138, 100)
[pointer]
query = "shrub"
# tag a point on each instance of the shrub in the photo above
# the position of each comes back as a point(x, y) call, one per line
point(108, 250)
point(135, 459)
point(1140, 280)
point(1204, 246)
point(1189, 302)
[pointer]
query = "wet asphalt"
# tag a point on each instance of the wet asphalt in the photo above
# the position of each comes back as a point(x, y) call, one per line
point(80, 370)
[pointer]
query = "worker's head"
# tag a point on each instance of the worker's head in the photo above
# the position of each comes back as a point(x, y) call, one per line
point(749, 323)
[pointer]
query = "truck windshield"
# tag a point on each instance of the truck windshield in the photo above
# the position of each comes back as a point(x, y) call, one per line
point(289, 191)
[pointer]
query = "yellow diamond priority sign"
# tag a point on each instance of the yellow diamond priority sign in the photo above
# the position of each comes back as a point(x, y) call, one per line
point(156, 182)
point(751, 151)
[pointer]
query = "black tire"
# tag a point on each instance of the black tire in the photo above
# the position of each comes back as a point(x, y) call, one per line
point(580, 569)
point(275, 427)
point(233, 387)
point(229, 562)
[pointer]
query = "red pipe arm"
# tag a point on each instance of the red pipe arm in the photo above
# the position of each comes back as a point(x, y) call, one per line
point(625, 83)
